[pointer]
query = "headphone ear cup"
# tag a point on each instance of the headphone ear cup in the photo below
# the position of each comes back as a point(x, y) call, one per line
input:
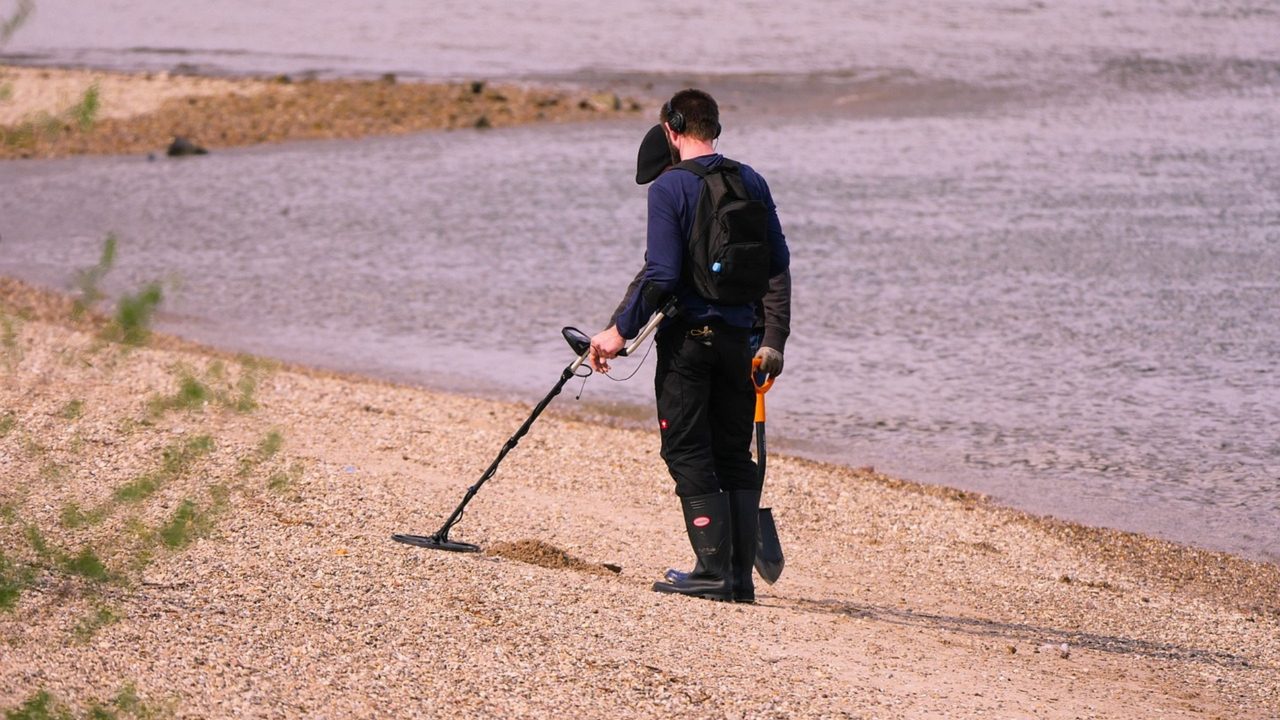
point(676, 120)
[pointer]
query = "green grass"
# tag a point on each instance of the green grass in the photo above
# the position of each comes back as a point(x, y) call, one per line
point(87, 565)
point(88, 280)
point(101, 617)
point(40, 706)
point(72, 410)
point(278, 481)
point(44, 706)
point(9, 341)
point(14, 578)
point(267, 449)
point(85, 112)
point(53, 471)
point(270, 445)
point(36, 540)
point(98, 711)
point(191, 395)
point(189, 521)
point(8, 422)
point(185, 522)
point(178, 457)
point(72, 516)
point(132, 322)
point(174, 461)
point(139, 488)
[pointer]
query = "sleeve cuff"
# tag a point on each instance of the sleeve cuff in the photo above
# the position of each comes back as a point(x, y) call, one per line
point(774, 337)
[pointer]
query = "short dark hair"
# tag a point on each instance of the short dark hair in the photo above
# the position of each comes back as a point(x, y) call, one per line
point(700, 112)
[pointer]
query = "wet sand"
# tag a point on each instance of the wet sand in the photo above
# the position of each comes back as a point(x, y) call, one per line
point(143, 112)
point(191, 532)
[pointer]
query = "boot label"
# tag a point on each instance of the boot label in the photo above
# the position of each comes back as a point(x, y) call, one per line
point(701, 521)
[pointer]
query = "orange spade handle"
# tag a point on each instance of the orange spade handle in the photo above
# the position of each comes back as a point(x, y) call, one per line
point(761, 388)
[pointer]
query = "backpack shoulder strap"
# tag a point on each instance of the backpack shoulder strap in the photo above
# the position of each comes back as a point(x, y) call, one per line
point(694, 167)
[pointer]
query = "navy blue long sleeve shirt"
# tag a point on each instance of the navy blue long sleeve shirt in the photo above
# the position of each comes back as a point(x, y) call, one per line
point(673, 201)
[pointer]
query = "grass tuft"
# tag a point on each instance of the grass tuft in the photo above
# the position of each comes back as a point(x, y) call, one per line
point(192, 394)
point(101, 617)
point(72, 516)
point(270, 445)
point(86, 565)
point(37, 542)
point(137, 489)
point(85, 112)
point(89, 279)
point(14, 579)
point(282, 480)
point(40, 706)
point(72, 410)
point(132, 323)
point(186, 521)
point(9, 341)
point(8, 422)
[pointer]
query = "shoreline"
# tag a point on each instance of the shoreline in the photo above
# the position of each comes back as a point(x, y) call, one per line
point(913, 599)
point(46, 112)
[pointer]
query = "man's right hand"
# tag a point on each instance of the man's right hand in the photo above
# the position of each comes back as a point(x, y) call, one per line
point(604, 347)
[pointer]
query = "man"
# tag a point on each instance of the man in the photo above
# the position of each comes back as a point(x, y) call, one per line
point(705, 399)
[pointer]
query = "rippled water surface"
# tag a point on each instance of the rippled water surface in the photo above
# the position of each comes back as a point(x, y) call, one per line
point(1036, 249)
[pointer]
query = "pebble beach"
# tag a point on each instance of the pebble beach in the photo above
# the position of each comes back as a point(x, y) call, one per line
point(186, 532)
point(194, 534)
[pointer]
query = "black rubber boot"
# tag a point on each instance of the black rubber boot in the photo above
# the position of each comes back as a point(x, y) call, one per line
point(707, 520)
point(744, 509)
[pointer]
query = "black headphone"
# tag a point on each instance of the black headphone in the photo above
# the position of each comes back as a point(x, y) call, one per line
point(675, 119)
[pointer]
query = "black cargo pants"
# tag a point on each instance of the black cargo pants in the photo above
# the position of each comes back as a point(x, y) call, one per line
point(706, 407)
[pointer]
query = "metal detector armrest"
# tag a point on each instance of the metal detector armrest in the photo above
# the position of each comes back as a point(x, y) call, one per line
point(669, 309)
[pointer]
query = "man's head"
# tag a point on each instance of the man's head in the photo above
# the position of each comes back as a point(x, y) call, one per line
point(694, 113)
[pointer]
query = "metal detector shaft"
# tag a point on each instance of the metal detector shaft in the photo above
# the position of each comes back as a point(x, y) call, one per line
point(649, 327)
point(441, 537)
point(440, 540)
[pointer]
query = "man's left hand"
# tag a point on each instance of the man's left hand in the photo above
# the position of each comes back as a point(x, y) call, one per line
point(770, 361)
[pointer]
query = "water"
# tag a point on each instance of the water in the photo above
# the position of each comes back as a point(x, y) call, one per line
point(1036, 249)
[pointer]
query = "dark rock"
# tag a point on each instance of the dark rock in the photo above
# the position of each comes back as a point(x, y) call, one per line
point(181, 147)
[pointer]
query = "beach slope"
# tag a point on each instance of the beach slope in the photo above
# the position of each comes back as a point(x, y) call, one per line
point(191, 533)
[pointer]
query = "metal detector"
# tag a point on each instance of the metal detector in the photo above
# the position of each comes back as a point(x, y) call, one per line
point(581, 345)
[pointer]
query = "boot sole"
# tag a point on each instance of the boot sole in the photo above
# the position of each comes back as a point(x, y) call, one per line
point(669, 589)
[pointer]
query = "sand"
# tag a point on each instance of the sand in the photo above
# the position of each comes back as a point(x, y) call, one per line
point(246, 566)
point(142, 113)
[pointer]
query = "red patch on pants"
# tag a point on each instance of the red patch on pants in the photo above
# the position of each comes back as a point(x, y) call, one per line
point(662, 423)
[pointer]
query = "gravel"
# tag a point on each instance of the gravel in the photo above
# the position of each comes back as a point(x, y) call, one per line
point(899, 600)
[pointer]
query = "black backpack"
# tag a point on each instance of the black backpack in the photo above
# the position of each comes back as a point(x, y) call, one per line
point(728, 251)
